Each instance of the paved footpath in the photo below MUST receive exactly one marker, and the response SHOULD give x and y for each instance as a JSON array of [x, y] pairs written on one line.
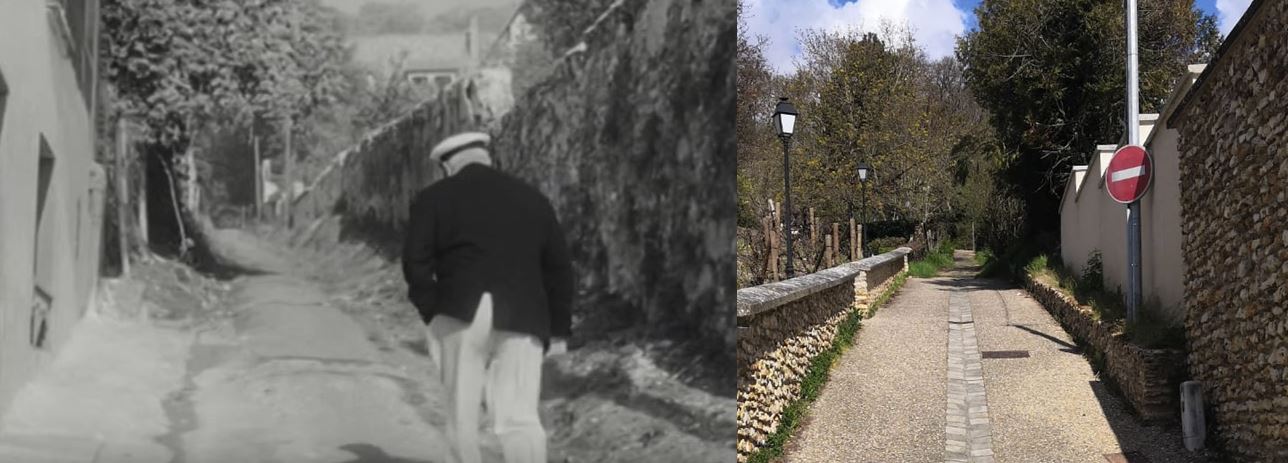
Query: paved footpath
[[921, 384]]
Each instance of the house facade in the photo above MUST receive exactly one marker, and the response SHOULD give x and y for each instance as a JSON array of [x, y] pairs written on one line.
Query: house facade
[[51, 189]]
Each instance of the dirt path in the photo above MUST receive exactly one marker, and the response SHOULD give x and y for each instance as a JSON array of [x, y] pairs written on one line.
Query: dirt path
[[316, 357], [917, 387], [605, 401]]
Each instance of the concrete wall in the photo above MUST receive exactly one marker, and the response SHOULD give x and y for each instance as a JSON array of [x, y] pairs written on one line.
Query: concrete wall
[[1091, 221], [1234, 211], [43, 103], [782, 326]]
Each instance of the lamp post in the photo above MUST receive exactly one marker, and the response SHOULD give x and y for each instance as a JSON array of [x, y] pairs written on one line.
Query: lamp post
[[784, 124], [864, 170]]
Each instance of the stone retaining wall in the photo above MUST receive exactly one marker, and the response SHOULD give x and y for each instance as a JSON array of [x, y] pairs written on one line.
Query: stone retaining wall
[[1234, 234], [1148, 378], [782, 326], [631, 137]]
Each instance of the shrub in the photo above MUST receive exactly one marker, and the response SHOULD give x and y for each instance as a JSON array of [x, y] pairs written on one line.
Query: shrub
[[887, 244]]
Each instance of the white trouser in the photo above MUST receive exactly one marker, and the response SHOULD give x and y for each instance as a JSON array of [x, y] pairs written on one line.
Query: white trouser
[[510, 362]]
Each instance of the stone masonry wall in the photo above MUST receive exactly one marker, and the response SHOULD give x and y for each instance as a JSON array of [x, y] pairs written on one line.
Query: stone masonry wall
[[1234, 214], [1148, 378], [781, 328], [632, 138], [371, 184]]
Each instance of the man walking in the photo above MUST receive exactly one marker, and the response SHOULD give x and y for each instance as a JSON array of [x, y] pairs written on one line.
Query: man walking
[[488, 269]]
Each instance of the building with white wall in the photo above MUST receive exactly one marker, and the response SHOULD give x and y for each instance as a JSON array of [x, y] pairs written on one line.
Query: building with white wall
[[51, 190], [1091, 221]]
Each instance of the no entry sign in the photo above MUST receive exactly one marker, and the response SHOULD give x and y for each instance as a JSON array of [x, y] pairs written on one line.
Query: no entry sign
[[1129, 173]]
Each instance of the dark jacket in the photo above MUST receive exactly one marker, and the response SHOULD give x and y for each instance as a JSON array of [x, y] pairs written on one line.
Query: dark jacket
[[482, 230]]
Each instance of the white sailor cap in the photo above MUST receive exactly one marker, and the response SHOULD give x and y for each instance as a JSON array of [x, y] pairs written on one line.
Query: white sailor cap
[[454, 144]]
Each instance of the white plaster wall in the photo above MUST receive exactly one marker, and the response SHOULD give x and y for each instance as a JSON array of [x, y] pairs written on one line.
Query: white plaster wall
[[43, 100], [1090, 220]]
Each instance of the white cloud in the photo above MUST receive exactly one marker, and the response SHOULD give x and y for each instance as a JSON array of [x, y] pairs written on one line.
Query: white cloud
[[935, 23], [1228, 13]]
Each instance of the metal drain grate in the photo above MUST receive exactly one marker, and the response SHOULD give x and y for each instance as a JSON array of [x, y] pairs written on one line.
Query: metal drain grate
[[1126, 457], [1004, 354]]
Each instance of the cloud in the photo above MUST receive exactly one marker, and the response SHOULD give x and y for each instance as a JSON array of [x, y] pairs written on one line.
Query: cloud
[[935, 23], [1228, 13]]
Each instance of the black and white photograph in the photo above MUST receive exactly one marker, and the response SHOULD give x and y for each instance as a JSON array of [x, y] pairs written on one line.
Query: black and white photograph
[[367, 231]]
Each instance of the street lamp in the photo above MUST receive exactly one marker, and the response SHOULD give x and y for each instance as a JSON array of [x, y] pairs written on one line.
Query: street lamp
[[864, 169], [785, 124]]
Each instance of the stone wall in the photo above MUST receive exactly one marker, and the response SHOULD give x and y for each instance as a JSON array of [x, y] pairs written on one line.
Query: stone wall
[[632, 137], [370, 185], [782, 326], [1149, 379], [1234, 155]]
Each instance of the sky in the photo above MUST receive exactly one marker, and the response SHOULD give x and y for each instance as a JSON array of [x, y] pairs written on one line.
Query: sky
[[935, 23]]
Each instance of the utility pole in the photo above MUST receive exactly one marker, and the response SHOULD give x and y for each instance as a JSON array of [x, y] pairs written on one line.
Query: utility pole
[[1133, 138]]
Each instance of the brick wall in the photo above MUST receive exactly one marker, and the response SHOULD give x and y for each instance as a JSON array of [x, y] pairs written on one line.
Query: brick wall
[[1234, 155]]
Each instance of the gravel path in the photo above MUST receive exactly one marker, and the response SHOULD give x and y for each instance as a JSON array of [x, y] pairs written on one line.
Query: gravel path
[[886, 397]]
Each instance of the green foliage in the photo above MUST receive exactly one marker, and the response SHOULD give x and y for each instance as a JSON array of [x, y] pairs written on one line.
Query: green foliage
[[816, 377], [1051, 73], [887, 244], [180, 64], [930, 265], [1107, 305], [983, 256], [561, 23]]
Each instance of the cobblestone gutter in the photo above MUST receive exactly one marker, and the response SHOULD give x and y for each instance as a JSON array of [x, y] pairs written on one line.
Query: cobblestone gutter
[[1148, 378], [783, 325]]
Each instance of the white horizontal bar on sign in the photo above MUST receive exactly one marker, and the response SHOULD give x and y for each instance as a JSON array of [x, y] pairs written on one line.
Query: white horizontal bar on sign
[[1127, 173]]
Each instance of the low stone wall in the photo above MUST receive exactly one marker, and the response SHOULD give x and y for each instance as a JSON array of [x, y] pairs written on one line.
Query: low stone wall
[[1149, 378], [782, 326]]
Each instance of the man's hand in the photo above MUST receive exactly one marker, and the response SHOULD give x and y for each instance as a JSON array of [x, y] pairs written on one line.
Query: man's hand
[[558, 346]]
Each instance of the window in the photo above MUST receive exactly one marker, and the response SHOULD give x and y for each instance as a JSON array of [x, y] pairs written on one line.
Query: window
[[4, 96], [42, 258], [419, 79]]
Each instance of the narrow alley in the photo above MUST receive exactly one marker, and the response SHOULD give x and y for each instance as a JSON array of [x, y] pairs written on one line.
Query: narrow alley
[[959, 368], [280, 368]]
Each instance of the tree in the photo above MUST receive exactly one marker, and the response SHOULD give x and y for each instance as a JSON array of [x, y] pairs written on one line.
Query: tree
[[1051, 74], [182, 67]]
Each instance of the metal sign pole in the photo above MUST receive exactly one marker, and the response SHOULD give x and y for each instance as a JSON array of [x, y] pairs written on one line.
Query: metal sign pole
[[1133, 138]]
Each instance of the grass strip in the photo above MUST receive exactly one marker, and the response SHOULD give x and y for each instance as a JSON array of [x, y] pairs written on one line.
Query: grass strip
[[820, 369], [931, 264]]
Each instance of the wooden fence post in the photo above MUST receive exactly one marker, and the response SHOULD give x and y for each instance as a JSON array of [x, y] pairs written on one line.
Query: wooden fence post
[[813, 227], [289, 173], [836, 241], [854, 256], [773, 251], [827, 251], [122, 195]]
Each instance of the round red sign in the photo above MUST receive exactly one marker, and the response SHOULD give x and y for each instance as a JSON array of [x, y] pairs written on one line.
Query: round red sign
[[1129, 173]]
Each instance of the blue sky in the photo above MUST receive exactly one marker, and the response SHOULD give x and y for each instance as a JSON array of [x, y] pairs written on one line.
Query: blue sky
[[935, 23]]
